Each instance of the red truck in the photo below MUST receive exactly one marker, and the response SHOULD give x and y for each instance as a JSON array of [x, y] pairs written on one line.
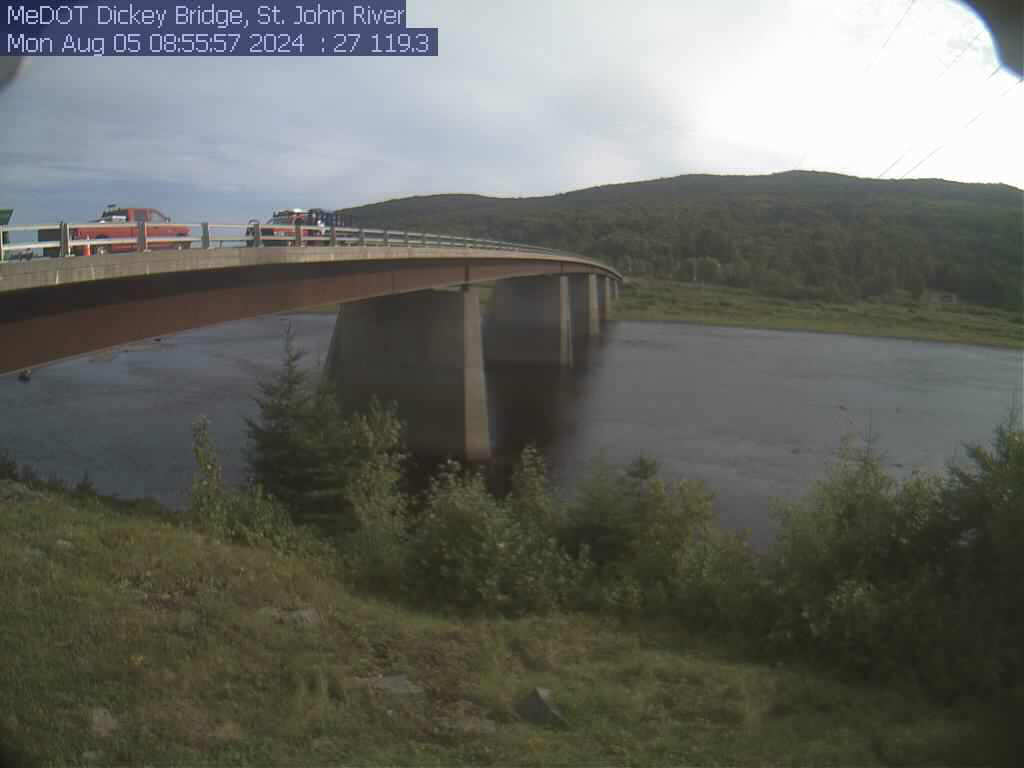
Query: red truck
[[158, 226]]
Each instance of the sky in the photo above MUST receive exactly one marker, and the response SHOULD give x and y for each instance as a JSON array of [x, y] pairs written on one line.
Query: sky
[[525, 98]]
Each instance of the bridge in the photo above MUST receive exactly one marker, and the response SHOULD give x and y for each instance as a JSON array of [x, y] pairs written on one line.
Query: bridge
[[409, 326]]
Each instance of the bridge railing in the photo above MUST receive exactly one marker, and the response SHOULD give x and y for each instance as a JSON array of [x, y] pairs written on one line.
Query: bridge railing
[[66, 239]]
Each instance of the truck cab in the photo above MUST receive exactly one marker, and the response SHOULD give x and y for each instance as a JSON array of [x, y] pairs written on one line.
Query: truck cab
[[158, 226], [279, 229]]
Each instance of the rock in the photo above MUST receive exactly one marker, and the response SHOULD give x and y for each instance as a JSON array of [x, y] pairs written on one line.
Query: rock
[[399, 685], [538, 708], [103, 723], [270, 613], [187, 620], [322, 744], [304, 617], [228, 731], [64, 544]]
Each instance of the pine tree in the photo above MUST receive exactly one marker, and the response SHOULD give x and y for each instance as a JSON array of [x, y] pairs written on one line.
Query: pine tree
[[277, 455]]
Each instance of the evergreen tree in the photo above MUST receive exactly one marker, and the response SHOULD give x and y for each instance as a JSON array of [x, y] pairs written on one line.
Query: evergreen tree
[[277, 455]]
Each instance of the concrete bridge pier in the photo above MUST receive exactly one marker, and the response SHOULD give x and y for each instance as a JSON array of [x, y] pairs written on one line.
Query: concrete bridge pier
[[604, 297], [424, 351], [583, 299], [530, 322]]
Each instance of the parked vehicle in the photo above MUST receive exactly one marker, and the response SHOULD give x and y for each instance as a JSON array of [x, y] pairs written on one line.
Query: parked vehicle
[[11, 253], [279, 229], [158, 225]]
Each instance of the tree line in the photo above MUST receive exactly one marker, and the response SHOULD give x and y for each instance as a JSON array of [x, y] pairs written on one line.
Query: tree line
[[798, 235]]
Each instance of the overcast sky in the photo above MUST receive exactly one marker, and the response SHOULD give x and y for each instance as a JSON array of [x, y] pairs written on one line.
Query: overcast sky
[[531, 97]]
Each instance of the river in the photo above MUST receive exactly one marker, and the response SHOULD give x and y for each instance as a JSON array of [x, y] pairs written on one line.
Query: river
[[758, 415]]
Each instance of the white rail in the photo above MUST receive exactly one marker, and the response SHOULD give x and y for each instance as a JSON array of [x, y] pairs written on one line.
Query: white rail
[[62, 240]]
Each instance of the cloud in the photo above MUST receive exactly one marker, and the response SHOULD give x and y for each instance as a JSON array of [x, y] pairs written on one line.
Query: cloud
[[526, 98]]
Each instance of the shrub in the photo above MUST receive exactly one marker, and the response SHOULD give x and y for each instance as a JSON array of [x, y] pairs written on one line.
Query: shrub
[[659, 550], [538, 574], [984, 503], [275, 454], [371, 499], [883, 578], [8, 467], [473, 553], [31, 478], [84, 488], [355, 465], [455, 549], [246, 516]]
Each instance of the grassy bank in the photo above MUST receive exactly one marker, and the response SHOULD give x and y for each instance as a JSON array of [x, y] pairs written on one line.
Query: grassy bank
[[131, 640], [667, 300], [652, 299]]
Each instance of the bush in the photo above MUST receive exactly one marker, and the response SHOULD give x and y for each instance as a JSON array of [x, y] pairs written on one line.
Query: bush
[[473, 553], [371, 500], [659, 551], [986, 525], [8, 467], [455, 550], [275, 454], [85, 488], [247, 516], [923, 577]]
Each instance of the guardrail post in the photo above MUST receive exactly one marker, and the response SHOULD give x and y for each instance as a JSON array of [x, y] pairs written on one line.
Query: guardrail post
[[387, 237], [206, 235], [362, 236], [65, 240], [406, 233], [298, 233], [334, 234], [3, 240], [257, 234], [141, 236]]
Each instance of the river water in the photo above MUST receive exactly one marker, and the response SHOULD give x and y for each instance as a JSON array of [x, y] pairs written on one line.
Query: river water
[[758, 415]]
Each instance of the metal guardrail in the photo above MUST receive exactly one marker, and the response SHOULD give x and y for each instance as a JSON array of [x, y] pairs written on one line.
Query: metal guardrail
[[62, 243]]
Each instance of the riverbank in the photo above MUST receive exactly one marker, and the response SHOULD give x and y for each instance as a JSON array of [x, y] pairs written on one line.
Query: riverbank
[[133, 639], [645, 299], [649, 299]]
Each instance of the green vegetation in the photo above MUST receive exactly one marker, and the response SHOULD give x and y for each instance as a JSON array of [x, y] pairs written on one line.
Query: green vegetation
[[648, 298], [130, 641], [796, 235], [882, 630]]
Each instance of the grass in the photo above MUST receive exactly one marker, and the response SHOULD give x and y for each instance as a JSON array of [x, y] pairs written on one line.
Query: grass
[[129, 640], [648, 299], [662, 300]]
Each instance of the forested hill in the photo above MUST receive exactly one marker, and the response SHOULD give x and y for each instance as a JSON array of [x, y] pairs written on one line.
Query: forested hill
[[798, 234]]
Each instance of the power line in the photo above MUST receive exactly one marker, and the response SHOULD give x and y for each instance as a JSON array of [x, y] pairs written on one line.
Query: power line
[[875, 59], [898, 23], [963, 128], [960, 55], [899, 159]]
